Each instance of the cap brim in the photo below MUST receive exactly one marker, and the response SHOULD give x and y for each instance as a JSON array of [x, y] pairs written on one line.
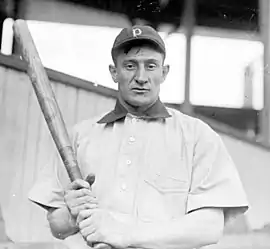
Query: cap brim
[[139, 41]]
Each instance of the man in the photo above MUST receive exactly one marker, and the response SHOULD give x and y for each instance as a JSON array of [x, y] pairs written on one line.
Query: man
[[162, 179]]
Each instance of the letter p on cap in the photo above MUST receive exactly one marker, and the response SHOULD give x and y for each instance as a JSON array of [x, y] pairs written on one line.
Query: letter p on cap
[[136, 32]]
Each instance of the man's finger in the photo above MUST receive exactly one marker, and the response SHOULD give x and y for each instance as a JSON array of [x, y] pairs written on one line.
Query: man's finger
[[93, 238], [81, 200], [74, 194], [76, 210], [78, 184], [87, 231], [101, 246], [89, 206], [83, 218]]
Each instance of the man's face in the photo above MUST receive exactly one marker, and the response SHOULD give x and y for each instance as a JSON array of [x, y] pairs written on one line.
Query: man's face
[[139, 73]]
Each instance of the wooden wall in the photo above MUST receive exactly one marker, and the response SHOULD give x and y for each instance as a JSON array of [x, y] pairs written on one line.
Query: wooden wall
[[25, 145]]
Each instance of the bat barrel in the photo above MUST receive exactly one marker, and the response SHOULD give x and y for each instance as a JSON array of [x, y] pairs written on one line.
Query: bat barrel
[[46, 98]]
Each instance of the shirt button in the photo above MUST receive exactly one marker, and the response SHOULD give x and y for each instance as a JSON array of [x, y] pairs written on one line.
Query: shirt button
[[132, 139], [133, 120], [128, 162], [124, 187]]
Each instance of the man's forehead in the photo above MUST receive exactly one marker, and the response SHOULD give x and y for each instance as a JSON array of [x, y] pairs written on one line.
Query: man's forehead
[[145, 51]]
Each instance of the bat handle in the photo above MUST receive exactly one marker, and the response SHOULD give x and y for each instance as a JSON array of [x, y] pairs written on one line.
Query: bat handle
[[69, 159]]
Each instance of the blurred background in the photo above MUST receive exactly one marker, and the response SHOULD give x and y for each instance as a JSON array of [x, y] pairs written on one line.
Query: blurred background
[[218, 51]]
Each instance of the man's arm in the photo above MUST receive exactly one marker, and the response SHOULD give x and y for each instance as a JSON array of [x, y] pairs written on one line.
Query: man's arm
[[61, 222], [198, 228], [77, 197]]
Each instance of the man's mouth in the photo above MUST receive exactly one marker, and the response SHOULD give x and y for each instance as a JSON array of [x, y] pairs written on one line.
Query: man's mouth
[[140, 90]]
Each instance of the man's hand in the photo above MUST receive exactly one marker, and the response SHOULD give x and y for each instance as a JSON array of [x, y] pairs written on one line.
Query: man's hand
[[78, 197], [98, 225]]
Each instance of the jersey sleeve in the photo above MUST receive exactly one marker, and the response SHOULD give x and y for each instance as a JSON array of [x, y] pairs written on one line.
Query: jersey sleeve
[[215, 181], [52, 178]]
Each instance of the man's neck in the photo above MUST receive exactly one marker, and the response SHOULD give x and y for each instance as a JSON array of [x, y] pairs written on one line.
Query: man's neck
[[135, 110], [154, 111]]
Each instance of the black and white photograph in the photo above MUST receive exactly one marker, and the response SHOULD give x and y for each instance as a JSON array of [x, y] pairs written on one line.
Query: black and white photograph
[[134, 124]]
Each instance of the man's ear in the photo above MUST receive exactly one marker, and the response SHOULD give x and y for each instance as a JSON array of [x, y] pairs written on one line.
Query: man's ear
[[113, 72], [165, 71]]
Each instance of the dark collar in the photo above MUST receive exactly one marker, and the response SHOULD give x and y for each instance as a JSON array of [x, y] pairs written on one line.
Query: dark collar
[[157, 110]]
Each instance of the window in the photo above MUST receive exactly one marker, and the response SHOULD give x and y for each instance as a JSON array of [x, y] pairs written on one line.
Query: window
[[226, 72], [7, 36]]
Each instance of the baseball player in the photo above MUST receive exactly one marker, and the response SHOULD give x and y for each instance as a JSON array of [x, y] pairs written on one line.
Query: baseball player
[[162, 179]]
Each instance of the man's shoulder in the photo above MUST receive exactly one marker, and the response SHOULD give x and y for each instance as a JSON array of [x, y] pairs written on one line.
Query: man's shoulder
[[190, 124], [183, 119], [176, 114], [88, 124]]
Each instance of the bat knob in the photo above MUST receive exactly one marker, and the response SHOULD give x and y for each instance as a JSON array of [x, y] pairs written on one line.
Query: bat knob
[[90, 179]]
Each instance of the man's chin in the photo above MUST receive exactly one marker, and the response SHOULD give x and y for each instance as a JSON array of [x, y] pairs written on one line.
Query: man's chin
[[139, 104]]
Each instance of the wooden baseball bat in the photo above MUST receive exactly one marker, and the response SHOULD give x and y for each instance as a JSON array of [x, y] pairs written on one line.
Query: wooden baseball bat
[[47, 101], [46, 98], [48, 104]]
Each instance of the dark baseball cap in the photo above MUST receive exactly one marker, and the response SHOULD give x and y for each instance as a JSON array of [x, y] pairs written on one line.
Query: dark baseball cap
[[138, 33]]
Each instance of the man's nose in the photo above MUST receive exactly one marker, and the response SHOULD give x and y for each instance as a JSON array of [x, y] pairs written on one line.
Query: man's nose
[[141, 76]]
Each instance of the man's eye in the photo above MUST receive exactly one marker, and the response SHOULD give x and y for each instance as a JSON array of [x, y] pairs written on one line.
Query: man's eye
[[152, 66], [129, 66]]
